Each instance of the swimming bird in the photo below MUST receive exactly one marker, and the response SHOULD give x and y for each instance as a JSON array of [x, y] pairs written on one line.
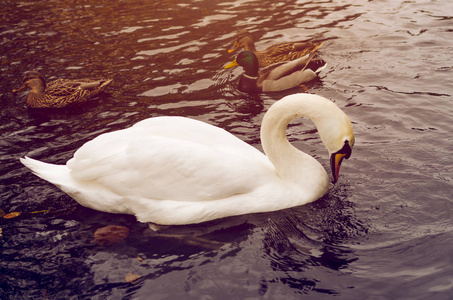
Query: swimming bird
[[176, 170], [285, 51], [61, 92], [277, 77]]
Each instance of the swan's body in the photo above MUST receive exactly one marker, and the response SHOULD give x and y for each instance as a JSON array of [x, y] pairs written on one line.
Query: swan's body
[[175, 170]]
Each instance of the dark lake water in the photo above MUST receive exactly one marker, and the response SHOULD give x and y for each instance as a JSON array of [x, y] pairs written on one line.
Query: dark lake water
[[384, 231]]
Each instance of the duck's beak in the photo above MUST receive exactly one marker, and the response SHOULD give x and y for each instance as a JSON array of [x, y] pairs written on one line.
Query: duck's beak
[[19, 89], [231, 64], [235, 46], [335, 163]]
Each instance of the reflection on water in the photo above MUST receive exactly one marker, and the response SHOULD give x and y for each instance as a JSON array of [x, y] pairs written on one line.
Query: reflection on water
[[383, 231]]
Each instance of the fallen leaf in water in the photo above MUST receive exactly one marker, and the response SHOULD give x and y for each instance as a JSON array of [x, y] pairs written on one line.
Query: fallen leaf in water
[[40, 211], [2, 213], [110, 235], [1, 232], [131, 277], [12, 215]]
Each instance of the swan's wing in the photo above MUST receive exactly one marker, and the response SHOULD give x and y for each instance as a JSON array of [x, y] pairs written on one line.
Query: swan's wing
[[194, 131], [193, 163]]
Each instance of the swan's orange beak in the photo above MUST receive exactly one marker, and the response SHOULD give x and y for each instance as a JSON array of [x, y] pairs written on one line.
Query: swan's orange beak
[[337, 157], [335, 163], [235, 46]]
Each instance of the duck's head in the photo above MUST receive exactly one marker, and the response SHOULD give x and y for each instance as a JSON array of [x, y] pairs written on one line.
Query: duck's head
[[33, 80], [248, 61], [243, 40]]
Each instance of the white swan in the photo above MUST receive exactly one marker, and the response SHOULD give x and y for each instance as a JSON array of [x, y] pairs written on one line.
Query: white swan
[[175, 170]]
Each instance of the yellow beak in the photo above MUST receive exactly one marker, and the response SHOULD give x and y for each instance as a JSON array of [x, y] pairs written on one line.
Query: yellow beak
[[231, 65]]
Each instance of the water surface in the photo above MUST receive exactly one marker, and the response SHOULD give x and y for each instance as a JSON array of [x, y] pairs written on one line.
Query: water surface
[[384, 231]]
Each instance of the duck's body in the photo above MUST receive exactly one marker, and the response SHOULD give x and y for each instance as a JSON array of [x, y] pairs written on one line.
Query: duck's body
[[278, 77], [61, 92], [174, 170], [285, 51]]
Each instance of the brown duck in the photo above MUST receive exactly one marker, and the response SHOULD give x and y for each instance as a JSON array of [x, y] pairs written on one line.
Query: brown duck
[[286, 51], [61, 92]]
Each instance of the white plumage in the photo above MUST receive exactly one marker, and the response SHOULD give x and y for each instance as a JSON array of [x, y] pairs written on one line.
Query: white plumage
[[175, 170]]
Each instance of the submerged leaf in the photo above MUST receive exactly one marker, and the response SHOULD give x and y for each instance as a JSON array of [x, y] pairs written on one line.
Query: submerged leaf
[[12, 215], [131, 277], [110, 235], [2, 213]]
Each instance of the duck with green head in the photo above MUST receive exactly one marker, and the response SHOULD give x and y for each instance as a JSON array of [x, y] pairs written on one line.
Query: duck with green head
[[276, 77]]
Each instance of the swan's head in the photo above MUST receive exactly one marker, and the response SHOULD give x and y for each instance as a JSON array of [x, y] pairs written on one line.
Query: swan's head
[[338, 136]]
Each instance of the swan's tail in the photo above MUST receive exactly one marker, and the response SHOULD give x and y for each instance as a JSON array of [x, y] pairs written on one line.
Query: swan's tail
[[85, 193], [55, 174]]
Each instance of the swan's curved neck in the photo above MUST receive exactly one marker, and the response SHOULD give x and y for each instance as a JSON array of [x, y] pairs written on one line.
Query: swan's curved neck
[[289, 162]]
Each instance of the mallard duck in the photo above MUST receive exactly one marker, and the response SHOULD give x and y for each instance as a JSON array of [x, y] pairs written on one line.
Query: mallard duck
[[61, 92], [277, 77], [286, 51], [176, 170]]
